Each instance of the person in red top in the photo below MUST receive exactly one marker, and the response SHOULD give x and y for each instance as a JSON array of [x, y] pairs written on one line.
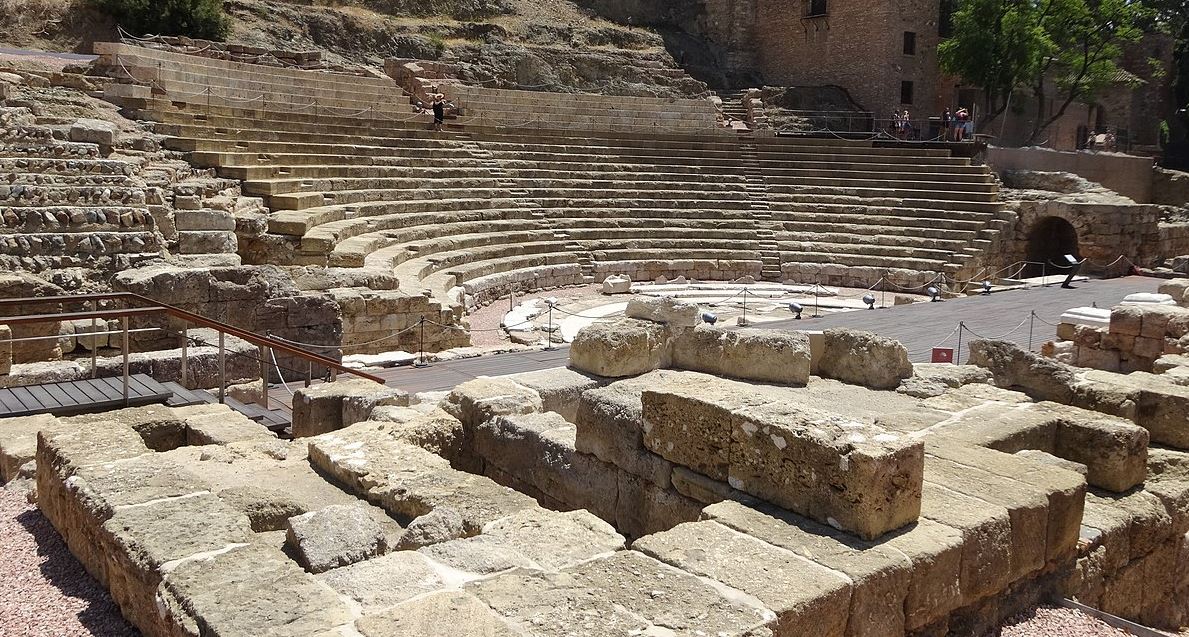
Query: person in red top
[[963, 128]]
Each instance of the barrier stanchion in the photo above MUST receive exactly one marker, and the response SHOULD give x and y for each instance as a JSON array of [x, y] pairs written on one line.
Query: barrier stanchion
[[421, 347], [958, 352]]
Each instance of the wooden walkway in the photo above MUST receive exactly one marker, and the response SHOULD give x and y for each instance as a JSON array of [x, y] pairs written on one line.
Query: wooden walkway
[[80, 396]]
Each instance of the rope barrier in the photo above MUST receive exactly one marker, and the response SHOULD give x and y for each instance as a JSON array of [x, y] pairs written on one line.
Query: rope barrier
[[995, 338], [273, 353]]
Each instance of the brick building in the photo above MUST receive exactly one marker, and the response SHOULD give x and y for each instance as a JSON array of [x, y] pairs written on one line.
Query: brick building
[[883, 53]]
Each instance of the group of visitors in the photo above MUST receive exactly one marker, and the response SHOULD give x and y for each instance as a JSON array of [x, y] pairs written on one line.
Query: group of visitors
[[902, 126], [957, 126]]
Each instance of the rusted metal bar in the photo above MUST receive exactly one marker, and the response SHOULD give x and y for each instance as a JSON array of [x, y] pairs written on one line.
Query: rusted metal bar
[[124, 349], [222, 369]]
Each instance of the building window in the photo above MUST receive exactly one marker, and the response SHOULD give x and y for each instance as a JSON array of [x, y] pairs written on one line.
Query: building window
[[906, 92], [817, 7], [945, 19], [910, 43]]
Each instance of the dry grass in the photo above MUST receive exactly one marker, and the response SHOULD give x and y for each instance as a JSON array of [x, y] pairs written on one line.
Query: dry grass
[[24, 21]]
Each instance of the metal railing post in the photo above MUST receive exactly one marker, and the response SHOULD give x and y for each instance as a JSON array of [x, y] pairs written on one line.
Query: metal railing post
[[124, 349], [222, 370], [264, 351], [310, 374], [185, 355], [94, 363]]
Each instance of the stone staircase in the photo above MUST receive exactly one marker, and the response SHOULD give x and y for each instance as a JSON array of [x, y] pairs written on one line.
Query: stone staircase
[[488, 209]]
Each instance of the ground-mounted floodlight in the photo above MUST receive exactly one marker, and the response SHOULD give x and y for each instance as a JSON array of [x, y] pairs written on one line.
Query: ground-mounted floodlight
[[869, 299], [933, 293], [796, 309], [986, 287], [709, 318]]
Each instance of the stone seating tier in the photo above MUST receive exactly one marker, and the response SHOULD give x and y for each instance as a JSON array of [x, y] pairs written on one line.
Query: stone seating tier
[[455, 212]]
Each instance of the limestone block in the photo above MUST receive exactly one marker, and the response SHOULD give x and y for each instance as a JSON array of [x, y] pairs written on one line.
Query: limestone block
[[139, 541], [533, 538], [808, 599], [664, 309], [439, 614], [338, 535], [439, 525], [769, 356], [207, 242], [1114, 451], [224, 428], [90, 337], [211, 220], [1014, 368], [621, 594], [408, 481], [1027, 508], [627, 347], [692, 484], [268, 509], [1126, 320], [848, 474], [863, 358], [609, 426], [880, 576], [272, 595], [1065, 490], [18, 441], [477, 401], [560, 389], [935, 551], [1164, 364], [538, 449], [95, 131], [986, 538], [641, 507], [376, 584], [929, 380], [330, 406], [5, 347], [1149, 400], [617, 284]]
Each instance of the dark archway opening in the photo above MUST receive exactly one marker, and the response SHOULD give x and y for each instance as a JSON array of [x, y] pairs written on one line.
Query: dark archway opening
[[1049, 241]]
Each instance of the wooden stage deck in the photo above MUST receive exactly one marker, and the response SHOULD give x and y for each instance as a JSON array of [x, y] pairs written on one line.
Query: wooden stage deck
[[920, 327], [80, 396]]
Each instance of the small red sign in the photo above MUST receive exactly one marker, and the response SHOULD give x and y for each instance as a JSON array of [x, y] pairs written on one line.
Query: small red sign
[[943, 354]]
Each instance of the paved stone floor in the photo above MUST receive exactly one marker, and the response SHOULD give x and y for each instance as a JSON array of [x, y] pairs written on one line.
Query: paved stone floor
[[920, 327]]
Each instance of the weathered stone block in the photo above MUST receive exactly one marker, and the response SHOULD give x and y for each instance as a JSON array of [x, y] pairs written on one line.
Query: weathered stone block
[[768, 356], [338, 535], [382, 582], [560, 389], [272, 595], [627, 347], [538, 449], [1014, 368], [5, 347], [663, 309], [641, 507], [986, 538], [440, 614], [863, 358], [610, 426], [477, 401], [848, 474], [880, 576], [624, 593], [808, 599], [95, 131], [332, 406]]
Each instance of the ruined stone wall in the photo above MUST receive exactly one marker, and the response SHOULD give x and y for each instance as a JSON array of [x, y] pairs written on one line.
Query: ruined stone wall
[[1136, 337], [1104, 232], [1127, 175], [375, 321]]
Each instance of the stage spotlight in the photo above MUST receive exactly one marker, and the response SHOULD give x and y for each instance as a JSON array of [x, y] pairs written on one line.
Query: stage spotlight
[[796, 309], [933, 293], [986, 287], [551, 301], [869, 299], [710, 318]]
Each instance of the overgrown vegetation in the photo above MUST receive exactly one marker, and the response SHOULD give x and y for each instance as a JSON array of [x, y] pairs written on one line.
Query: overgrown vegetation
[[194, 18]]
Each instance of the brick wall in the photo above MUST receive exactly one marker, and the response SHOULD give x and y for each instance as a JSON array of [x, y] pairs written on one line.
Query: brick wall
[[858, 45]]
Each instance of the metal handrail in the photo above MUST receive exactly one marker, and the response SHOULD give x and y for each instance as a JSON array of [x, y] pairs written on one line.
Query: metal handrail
[[155, 307]]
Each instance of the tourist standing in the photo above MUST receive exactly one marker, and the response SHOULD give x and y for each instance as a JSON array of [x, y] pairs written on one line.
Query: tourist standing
[[963, 118], [439, 111], [946, 120], [907, 119]]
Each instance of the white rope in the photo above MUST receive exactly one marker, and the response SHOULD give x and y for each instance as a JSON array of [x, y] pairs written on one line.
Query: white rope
[[273, 353]]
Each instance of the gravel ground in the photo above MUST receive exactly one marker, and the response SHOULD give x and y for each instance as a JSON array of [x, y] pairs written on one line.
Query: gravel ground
[[1048, 621], [488, 317], [44, 591]]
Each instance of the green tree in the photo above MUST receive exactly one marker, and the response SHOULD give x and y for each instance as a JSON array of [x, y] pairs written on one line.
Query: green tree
[[194, 18], [1172, 17], [1068, 46], [995, 45]]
